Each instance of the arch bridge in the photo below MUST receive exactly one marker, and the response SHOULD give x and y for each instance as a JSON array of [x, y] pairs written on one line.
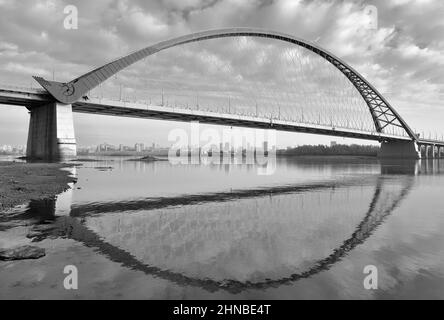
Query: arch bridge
[[51, 129]]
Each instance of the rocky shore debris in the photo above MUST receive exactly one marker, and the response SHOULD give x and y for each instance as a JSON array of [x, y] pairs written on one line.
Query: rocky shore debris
[[21, 253], [40, 231]]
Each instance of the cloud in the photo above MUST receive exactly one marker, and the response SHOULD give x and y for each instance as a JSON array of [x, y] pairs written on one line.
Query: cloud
[[24, 69], [402, 57]]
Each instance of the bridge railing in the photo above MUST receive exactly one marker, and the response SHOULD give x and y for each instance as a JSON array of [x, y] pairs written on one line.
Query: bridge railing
[[130, 103], [22, 88]]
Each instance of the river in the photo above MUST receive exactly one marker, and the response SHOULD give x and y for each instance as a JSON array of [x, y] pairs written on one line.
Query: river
[[154, 230]]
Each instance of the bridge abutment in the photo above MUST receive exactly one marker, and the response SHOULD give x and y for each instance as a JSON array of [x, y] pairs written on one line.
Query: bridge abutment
[[51, 132], [399, 149]]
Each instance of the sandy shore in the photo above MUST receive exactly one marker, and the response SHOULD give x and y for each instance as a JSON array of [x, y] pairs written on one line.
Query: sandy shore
[[21, 182]]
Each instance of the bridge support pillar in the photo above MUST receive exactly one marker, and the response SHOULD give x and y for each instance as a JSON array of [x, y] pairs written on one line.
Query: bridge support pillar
[[435, 152], [51, 133], [429, 152], [399, 149], [424, 150]]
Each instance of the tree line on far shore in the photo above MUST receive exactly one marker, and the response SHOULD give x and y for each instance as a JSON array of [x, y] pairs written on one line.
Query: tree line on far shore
[[337, 150]]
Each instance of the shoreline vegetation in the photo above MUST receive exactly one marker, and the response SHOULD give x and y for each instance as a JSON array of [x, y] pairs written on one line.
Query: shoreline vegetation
[[341, 150], [22, 182]]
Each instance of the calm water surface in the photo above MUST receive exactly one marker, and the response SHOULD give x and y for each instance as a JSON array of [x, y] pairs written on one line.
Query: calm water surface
[[162, 231]]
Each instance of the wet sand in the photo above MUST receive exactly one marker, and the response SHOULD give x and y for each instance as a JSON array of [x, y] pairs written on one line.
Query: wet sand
[[22, 182]]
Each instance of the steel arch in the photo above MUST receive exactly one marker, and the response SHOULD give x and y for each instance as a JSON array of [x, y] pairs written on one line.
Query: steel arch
[[383, 114]]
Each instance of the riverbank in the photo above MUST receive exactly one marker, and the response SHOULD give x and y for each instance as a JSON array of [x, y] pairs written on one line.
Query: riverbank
[[22, 182], [333, 150], [327, 156]]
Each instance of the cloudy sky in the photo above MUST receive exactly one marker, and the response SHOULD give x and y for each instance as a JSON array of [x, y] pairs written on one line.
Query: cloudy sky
[[401, 53]]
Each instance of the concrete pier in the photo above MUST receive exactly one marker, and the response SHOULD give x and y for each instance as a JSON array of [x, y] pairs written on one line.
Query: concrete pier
[[431, 151], [399, 149], [51, 132]]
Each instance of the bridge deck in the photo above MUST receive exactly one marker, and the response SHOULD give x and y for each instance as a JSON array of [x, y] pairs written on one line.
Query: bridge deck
[[139, 110], [33, 97]]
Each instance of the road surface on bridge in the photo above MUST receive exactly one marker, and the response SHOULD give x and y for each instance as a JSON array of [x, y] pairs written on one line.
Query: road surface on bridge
[[34, 97]]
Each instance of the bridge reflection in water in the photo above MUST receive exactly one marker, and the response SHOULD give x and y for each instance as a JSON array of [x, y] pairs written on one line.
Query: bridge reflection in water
[[239, 240]]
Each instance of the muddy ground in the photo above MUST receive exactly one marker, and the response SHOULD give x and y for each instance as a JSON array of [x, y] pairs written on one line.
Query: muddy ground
[[22, 182]]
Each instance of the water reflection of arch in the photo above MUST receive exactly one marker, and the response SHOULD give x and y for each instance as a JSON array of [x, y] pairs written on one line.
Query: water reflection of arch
[[379, 208]]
